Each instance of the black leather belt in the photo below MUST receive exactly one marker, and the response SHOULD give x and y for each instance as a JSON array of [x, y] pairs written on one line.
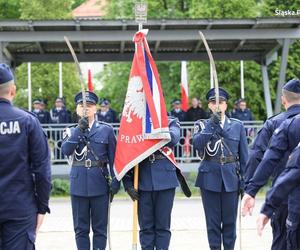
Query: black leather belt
[[221, 159], [156, 156], [89, 164]]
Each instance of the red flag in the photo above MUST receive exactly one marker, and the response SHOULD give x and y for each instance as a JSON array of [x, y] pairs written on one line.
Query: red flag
[[90, 83], [184, 87], [144, 123]]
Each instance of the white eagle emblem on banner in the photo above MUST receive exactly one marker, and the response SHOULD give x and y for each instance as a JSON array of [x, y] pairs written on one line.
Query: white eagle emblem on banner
[[135, 100]]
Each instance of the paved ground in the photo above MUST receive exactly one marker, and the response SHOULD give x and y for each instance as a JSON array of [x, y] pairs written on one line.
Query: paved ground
[[188, 227]]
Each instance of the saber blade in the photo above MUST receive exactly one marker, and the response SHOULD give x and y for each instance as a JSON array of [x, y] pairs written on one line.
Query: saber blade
[[79, 73], [212, 63]]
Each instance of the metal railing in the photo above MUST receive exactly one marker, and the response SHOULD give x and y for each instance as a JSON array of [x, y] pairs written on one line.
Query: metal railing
[[184, 151]]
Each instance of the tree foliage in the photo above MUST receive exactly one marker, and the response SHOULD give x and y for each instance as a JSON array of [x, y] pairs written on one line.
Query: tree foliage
[[45, 9], [9, 9]]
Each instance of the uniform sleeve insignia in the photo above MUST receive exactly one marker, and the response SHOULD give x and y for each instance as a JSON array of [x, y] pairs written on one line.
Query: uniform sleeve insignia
[[199, 125], [67, 133]]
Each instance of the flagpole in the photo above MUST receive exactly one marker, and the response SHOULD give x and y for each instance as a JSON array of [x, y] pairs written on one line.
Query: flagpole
[[135, 210], [140, 18]]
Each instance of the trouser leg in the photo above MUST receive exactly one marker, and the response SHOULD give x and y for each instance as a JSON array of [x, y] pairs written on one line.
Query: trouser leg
[[81, 221]]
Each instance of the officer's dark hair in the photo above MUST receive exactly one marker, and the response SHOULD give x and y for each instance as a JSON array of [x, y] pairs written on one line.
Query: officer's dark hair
[[291, 96], [5, 88]]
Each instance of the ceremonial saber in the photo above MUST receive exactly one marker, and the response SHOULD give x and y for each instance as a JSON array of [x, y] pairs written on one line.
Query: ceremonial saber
[[79, 73], [216, 84], [212, 63]]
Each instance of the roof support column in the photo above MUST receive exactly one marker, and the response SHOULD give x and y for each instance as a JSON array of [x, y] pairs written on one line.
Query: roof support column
[[266, 84], [282, 73], [2, 56]]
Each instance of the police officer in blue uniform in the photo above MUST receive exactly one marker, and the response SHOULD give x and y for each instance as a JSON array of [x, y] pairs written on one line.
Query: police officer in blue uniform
[[59, 114], [104, 114], [156, 191], [177, 111], [222, 146], [286, 185], [258, 149], [242, 113], [90, 146], [284, 140], [114, 114], [25, 176], [42, 115]]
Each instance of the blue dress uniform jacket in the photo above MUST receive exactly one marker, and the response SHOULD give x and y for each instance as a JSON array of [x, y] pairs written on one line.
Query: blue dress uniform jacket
[[25, 176], [211, 175], [245, 115], [260, 145], [287, 185], [107, 117], [283, 141], [219, 182], [92, 181], [263, 137], [43, 116], [24, 153], [62, 116], [181, 115]]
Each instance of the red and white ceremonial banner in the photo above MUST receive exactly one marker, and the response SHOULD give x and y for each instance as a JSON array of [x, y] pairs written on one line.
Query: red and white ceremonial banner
[[144, 123], [184, 87]]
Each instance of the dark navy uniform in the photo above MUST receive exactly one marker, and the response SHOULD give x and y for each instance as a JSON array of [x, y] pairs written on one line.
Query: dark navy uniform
[[177, 111], [257, 151], [60, 116], [179, 114], [157, 183], [109, 115], [90, 152], [42, 115], [25, 175], [287, 185], [242, 115], [283, 141], [223, 153], [105, 117]]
